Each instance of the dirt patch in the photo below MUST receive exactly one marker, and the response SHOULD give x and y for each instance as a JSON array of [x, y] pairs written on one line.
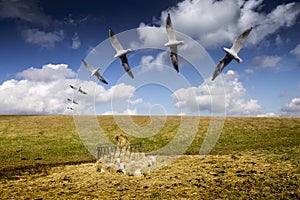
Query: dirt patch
[[190, 177]]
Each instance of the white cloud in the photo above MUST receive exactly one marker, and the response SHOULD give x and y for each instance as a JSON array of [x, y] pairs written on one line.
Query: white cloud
[[216, 23], [45, 91], [76, 41], [292, 108], [49, 72], [126, 112], [134, 102], [268, 114], [44, 39], [149, 63], [265, 61], [296, 52], [234, 101], [249, 71]]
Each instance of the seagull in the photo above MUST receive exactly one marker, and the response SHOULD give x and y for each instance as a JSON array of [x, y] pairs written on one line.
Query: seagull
[[232, 53], [121, 53], [94, 71], [70, 108], [172, 43], [78, 89], [73, 101]]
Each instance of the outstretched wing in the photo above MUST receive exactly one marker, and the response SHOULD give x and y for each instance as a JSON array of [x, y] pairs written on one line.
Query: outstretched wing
[[74, 88], [114, 41], [238, 43], [173, 57], [90, 68], [100, 78], [169, 29], [126, 66], [221, 65]]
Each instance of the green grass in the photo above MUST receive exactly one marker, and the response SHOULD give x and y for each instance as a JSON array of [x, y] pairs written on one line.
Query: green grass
[[31, 140], [254, 158]]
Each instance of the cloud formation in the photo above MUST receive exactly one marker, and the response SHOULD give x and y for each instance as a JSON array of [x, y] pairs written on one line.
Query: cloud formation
[[44, 39], [296, 52], [234, 98], [292, 108], [266, 61], [76, 41], [28, 11], [214, 23], [45, 91]]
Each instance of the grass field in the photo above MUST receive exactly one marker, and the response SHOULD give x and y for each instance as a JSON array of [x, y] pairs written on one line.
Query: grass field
[[254, 158]]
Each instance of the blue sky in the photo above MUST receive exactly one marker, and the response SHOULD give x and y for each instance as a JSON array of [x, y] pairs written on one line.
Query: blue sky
[[43, 42]]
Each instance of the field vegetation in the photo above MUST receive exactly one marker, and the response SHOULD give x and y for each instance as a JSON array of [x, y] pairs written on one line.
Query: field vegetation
[[42, 157]]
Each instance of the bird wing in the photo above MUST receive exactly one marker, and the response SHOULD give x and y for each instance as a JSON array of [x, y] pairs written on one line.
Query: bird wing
[[238, 43], [74, 88], [90, 68], [169, 29], [81, 91], [100, 78], [114, 41], [126, 66], [221, 65]]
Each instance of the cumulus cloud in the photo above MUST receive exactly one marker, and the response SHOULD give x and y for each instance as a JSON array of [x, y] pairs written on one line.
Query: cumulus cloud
[[296, 52], [292, 108], [149, 63], [212, 25], [266, 61], [234, 101], [45, 91], [125, 112], [268, 114], [44, 39], [76, 41], [24, 10], [49, 72]]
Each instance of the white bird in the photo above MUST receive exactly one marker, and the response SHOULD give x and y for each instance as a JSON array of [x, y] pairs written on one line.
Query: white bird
[[121, 53], [95, 72], [78, 89], [232, 53], [172, 43], [73, 101]]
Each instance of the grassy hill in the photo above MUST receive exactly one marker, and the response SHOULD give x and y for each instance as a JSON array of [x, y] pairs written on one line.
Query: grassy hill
[[254, 158]]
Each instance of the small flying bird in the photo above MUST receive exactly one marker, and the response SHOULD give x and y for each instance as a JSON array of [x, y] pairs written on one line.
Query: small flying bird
[[78, 89], [73, 101], [70, 108], [232, 53], [172, 43], [121, 53], [95, 72]]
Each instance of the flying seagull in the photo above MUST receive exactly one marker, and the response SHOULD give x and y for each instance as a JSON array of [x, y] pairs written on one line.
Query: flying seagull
[[172, 43], [121, 53], [232, 53], [78, 89], [70, 108], [95, 72], [73, 101]]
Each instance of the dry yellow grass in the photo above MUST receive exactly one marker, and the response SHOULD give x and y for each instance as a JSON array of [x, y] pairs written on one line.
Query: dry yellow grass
[[236, 176]]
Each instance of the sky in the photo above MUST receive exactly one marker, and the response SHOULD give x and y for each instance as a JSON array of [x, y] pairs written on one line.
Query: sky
[[43, 43]]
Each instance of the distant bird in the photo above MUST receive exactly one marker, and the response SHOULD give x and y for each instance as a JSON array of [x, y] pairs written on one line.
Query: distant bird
[[172, 43], [232, 53], [121, 53], [78, 89], [70, 108], [73, 101], [95, 72]]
